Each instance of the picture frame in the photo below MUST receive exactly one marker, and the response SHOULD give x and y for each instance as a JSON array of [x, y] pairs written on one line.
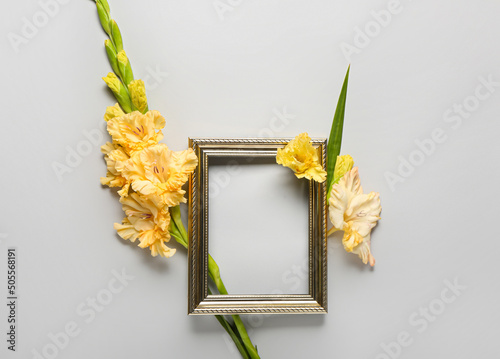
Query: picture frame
[[200, 302]]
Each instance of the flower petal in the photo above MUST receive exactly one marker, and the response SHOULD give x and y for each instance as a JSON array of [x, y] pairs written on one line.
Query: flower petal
[[339, 201], [126, 230], [136, 131], [342, 166], [161, 172], [364, 211], [364, 252], [146, 222], [301, 156], [355, 213]]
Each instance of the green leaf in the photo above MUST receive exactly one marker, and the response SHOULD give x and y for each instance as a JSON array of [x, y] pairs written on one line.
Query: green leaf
[[116, 36], [234, 337], [233, 333], [335, 140], [103, 18], [120, 92], [252, 351], [111, 52], [105, 4], [129, 75]]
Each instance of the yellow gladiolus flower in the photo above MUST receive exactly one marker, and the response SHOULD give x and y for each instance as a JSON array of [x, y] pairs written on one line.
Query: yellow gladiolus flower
[[115, 158], [355, 213], [300, 155], [157, 171], [138, 94], [146, 222], [113, 111], [136, 131]]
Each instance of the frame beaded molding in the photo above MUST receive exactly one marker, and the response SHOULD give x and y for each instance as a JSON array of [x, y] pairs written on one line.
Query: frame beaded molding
[[199, 302]]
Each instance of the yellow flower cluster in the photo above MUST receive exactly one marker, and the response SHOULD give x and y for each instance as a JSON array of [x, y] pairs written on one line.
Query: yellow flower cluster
[[350, 210], [150, 175], [301, 156]]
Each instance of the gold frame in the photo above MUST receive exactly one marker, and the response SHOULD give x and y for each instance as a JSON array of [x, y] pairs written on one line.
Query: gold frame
[[199, 302]]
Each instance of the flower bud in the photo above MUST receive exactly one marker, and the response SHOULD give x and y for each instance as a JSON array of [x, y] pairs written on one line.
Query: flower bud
[[103, 16], [119, 91], [111, 52], [342, 166], [138, 95], [116, 35], [125, 68], [113, 111]]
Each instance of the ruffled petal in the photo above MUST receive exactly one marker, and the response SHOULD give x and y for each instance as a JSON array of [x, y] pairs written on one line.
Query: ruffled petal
[[301, 156], [136, 131], [339, 201], [158, 171], [115, 158], [355, 213], [113, 111], [162, 250], [364, 211], [364, 252], [126, 230], [351, 182], [351, 238], [147, 222]]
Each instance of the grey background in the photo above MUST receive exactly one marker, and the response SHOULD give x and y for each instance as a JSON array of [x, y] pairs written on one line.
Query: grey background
[[259, 226], [230, 75]]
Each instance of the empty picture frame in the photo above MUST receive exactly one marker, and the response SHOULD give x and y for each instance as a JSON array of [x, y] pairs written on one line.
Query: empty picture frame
[[199, 299]]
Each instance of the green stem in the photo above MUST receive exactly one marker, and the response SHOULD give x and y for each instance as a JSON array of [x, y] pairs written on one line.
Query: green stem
[[174, 227], [111, 28], [244, 336], [213, 271], [331, 231], [234, 335], [179, 233], [124, 72]]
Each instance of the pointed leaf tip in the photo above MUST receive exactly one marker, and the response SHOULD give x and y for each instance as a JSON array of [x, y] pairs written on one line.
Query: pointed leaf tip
[[335, 140]]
